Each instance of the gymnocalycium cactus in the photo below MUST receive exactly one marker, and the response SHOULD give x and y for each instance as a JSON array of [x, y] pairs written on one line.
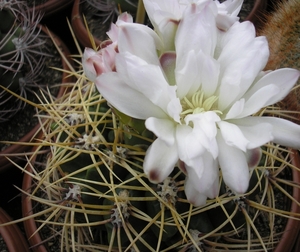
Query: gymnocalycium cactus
[[91, 182], [119, 118], [22, 54]]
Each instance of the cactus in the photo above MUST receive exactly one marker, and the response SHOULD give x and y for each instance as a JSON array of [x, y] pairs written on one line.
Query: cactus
[[282, 31], [22, 54], [96, 197], [110, 9], [105, 12], [90, 192]]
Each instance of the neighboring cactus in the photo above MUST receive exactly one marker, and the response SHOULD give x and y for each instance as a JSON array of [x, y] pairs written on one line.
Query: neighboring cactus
[[105, 12], [110, 9], [92, 180], [22, 53], [282, 29]]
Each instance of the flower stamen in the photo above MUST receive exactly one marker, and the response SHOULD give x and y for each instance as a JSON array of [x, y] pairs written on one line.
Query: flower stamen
[[197, 104]]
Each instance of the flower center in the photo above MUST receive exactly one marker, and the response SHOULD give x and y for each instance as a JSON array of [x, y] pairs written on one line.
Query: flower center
[[197, 104]]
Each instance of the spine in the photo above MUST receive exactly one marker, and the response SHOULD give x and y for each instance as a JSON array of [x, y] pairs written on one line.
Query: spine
[[282, 29]]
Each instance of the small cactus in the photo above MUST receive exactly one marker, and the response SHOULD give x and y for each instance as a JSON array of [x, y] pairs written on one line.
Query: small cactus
[[282, 29], [105, 12], [22, 54], [110, 9]]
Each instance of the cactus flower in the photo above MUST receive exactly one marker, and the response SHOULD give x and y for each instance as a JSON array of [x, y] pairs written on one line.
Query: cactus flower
[[200, 99]]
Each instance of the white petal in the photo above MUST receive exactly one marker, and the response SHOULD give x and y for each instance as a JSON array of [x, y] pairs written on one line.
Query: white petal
[[261, 98], [233, 136], [201, 69], [209, 75], [233, 7], [126, 99], [113, 33], [189, 146], [236, 109], [158, 10], [165, 16], [224, 21], [257, 134], [193, 196], [200, 20], [162, 128], [160, 160], [235, 41], [239, 74], [205, 130], [284, 132], [144, 47], [204, 175], [227, 13], [284, 79], [190, 65], [174, 109], [234, 166], [147, 79]]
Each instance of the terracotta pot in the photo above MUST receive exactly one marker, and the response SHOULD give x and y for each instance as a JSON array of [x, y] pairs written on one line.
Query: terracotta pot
[[291, 232], [51, 6], [30, 225], [79, 27], [15, 149], [287, 241], [255, 16], [12, 235]]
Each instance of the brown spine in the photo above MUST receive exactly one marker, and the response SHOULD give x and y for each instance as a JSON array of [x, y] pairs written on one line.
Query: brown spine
[[282, 29]]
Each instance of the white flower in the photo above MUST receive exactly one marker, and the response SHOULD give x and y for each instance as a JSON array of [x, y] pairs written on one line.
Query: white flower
[[166, 15], [97, 62], [199, 98]]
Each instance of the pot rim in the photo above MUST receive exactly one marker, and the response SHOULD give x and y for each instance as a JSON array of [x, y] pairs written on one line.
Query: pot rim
[[79, 27], [51, 6], [11, 234]]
